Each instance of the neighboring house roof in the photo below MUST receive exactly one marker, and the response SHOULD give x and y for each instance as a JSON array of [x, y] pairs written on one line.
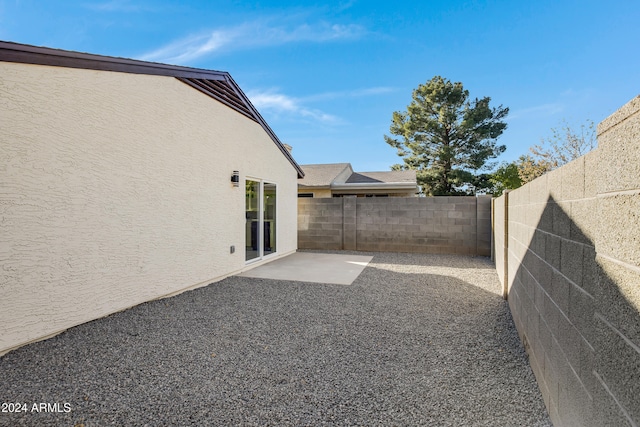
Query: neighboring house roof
[[405, 176], [216, 84], [341, 177], [322, 175]]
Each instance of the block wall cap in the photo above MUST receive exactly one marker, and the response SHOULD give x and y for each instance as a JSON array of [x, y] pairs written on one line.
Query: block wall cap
[[629, 109]]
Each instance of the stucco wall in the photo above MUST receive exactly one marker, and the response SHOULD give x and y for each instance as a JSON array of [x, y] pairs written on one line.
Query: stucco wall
[[573, 274], [116, 190], [452, 225]]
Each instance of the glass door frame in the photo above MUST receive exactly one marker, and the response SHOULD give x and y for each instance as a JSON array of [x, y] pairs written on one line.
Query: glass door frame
[[260, 226]]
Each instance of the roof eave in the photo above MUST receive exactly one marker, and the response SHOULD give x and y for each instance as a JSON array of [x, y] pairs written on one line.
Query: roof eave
[[404, 186], [314, 187]]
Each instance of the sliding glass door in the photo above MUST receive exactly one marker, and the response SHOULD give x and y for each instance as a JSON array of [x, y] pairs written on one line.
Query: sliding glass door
[[269, 203], [252, 213], [260, 214]]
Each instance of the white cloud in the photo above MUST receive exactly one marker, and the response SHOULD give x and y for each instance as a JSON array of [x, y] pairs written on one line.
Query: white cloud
[[278, 103], [116, 6], [253, 34], [371, 91], [543, 110], [282, 104], [188, 49], [346, 5], [357, 93], [273, 101]]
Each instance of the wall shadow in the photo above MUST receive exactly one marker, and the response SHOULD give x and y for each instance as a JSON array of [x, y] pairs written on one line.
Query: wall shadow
[[580, 330]]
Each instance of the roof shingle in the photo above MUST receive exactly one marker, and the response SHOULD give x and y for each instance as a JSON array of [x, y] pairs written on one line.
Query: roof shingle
[[408, 176], [321, 175]]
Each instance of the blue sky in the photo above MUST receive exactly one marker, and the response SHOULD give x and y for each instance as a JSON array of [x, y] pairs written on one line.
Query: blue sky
[[327, 76]]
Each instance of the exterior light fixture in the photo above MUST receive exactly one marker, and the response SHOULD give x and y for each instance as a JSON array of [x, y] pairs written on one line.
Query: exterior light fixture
[[235, 178]]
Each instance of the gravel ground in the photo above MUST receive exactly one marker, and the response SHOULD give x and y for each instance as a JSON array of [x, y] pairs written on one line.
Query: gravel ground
[[415, 340]]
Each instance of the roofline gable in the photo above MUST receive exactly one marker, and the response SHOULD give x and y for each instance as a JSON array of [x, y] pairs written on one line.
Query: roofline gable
[[200, 79], [343, 175]]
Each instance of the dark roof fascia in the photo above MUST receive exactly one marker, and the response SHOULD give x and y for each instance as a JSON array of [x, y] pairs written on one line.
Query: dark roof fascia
[[27, 54]]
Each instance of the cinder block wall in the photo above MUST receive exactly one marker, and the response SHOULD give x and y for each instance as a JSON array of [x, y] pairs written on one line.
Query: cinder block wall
[[483, 225], [320, 223], [572, 272], [499, 254], [452, 225]]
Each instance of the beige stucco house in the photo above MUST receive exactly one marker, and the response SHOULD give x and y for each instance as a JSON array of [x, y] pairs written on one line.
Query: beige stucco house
[[124, 181], [339, 179]]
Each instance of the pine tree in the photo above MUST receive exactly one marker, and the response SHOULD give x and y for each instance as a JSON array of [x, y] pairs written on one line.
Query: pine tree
[[446, 137]]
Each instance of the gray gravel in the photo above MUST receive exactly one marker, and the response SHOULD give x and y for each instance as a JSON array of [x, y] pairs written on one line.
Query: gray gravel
[[415, 340]]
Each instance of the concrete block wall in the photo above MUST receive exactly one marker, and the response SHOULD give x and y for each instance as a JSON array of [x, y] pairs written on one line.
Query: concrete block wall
[[499, 221], [451, 225], [567, 248], [320, 223], [483, 226]]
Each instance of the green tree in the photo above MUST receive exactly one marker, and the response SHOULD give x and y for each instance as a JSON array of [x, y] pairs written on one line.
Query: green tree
[[530, 168], [563, 146], [506, 177], [446, 137]]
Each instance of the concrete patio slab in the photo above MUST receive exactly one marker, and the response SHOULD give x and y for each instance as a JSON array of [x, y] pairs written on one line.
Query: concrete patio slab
[[335, 269]]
